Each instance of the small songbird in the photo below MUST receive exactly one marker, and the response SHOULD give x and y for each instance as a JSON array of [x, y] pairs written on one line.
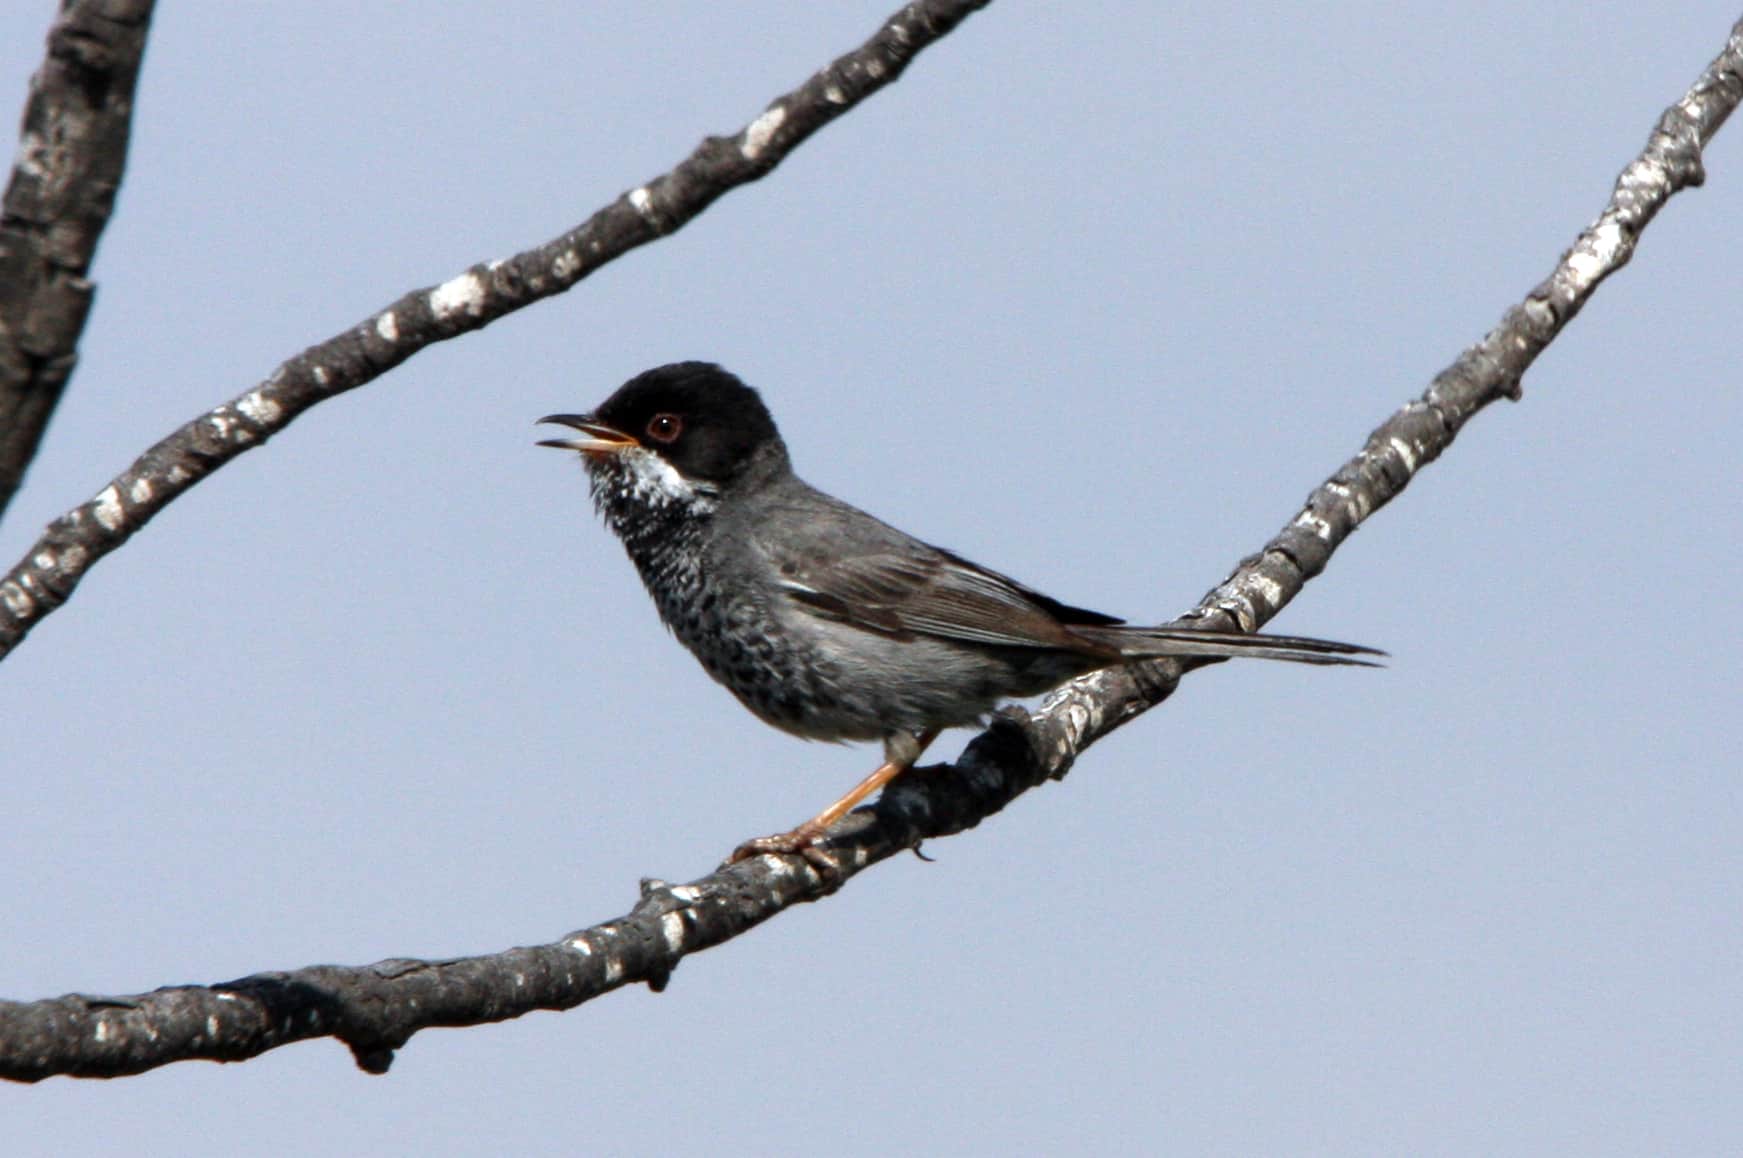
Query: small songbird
[[824, 621]]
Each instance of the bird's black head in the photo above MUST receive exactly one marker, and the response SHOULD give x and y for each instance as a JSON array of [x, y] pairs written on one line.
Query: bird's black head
[[670, 446], [696, 416], [699, 418]]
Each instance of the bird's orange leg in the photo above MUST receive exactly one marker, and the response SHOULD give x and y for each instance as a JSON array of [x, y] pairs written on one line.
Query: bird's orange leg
[[898, 758]]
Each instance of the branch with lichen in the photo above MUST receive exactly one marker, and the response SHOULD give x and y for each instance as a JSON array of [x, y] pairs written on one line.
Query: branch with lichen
[[375, 1009], [71, 154], [72, 544]]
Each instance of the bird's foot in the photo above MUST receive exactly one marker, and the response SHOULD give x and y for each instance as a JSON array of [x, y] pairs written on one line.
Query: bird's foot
[[801, 841]]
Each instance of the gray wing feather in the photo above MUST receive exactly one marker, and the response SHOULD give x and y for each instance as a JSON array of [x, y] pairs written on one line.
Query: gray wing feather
[[848, 567]]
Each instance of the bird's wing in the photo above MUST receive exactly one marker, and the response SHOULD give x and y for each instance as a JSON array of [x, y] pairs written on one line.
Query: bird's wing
[[845, 566]]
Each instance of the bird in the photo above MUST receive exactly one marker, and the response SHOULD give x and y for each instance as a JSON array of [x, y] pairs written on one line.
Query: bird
[[823, 620]]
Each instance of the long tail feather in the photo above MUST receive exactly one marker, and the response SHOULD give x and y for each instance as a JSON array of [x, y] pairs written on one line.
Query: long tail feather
[[1187, 643]]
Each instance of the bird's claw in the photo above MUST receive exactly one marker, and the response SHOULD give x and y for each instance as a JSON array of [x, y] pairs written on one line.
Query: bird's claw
[[802, 841]]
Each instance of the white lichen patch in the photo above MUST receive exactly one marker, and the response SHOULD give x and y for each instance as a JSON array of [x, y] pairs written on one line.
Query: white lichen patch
[[672, 929], [1315, 523], [1353, 502], [140, 491], [1270, 592], [1239, 611], [1405, 452], [108, 512], [566, 264], [613, 971], [388, 327], [259, 408], [1598, 252], [31, 151], [18, 601], [689, 894], [1077, 721], [642, 202], [580, 945], [225, 426], [761, 132], [833, 94], [320, 375], [456, 295], [1584, 265]]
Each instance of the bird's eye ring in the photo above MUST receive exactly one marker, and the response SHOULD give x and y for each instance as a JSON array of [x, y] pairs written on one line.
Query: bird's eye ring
[[665, 427]]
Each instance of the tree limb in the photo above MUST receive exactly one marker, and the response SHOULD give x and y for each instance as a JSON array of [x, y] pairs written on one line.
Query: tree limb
[[376, 1008], [73, 543], [62, 191]]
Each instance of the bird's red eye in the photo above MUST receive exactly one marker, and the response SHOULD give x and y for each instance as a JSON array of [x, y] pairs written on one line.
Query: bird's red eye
[[665, 427]]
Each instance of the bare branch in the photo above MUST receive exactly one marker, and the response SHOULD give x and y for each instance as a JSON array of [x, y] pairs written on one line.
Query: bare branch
[[68, 548], [376, 1008], [70, 159]]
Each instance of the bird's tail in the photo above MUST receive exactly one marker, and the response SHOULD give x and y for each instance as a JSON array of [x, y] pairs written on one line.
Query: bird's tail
[[1191, 643]]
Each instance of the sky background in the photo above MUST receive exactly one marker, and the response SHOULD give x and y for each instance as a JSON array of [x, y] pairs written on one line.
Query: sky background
[[1095, 295]]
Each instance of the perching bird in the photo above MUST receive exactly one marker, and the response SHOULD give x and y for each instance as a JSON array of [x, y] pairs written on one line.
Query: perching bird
[[821, 619]]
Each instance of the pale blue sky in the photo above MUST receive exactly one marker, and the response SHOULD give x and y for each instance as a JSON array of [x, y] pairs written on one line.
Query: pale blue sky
[[1094, 295]]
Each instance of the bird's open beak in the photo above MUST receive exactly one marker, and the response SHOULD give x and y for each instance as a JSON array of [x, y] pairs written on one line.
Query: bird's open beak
[[599, 440]]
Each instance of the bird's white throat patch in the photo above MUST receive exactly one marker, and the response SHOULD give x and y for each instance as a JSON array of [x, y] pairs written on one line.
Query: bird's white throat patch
[[638, 477]]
